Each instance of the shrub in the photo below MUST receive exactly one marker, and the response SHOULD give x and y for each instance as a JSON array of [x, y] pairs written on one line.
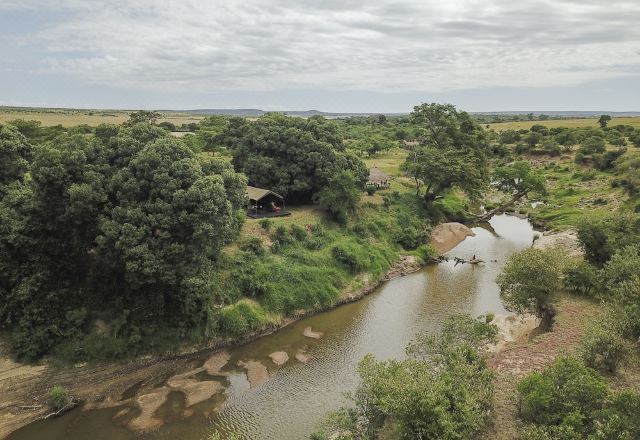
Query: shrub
[[371, 189], [603, 347], [266, 224], [58, 397], [253, 245], [298, 232], [239, 319], [349, 256], [566, 393], [426, 253], [581, 278]]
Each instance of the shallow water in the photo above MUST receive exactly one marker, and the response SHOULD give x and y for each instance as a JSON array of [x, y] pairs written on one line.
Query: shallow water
[[296, 397]]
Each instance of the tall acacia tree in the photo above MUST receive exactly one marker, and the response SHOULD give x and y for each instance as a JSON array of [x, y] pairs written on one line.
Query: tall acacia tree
[[517, 179], [451, 154]]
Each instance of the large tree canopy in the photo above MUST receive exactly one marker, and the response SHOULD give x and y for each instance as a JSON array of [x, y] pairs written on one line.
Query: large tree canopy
[[451, 153], [293, 156], [128, 221]]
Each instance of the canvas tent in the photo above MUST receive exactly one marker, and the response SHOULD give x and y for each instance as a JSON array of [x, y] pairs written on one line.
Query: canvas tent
[[265, 203]]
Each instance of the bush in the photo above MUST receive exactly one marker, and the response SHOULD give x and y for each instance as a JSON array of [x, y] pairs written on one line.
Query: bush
[[253, 245], [349, 256], [266, 224], [239, 319], [371, 189], [603, 347], [58, 397], [426, 253], [298, 232], [566, 393], [581, 278]]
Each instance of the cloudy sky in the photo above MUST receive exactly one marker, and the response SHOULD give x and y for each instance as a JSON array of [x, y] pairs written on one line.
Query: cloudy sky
[[331, 55]]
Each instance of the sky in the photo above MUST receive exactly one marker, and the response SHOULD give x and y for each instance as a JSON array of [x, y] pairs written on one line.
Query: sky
[[329, 55]]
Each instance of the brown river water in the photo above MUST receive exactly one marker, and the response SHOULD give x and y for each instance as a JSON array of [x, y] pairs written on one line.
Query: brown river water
[[289, 405]]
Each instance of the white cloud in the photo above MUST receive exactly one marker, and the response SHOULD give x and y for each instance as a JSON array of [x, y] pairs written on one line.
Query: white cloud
[[213, 46]]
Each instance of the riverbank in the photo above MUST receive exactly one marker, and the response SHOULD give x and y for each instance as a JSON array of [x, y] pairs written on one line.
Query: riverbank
[[25, 387]]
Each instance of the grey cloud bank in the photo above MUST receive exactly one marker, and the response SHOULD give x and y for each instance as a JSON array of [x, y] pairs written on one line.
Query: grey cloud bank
[[335, 56]]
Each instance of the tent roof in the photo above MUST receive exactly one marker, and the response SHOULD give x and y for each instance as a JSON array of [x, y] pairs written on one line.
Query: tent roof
[[256, 194], [377, 175]]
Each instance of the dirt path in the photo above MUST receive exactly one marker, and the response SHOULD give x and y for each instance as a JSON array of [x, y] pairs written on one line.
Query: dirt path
[[517, 359]]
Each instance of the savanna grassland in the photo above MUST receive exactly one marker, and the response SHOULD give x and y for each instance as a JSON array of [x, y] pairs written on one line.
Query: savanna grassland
[[91, 117]]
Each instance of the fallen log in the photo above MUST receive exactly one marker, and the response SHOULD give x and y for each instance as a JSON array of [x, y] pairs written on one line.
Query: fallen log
[[68, 407]]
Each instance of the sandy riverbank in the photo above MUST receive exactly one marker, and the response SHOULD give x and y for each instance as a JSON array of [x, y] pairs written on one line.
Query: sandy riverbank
[[446, 236]]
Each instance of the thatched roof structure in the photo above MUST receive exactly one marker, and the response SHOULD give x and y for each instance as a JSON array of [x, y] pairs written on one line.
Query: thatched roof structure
[[378, 177]]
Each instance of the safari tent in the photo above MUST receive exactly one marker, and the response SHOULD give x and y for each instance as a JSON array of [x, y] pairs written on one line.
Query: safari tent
[[265, 203], [378, 178]]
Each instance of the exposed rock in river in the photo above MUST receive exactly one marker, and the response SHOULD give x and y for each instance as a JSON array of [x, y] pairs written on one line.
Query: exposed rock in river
[[513, 328], [257, 373], [149, 404], [302, 357], [309, 333], [279, 357], [446, 236], [214, 364]]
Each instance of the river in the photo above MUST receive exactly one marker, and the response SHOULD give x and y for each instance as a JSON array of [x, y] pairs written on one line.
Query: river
[[295, 398]]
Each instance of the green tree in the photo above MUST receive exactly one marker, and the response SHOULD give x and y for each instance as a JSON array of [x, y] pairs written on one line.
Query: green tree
[[15, 153], [519, 180], [293, 156], [603, 120], [143, 116], [530, 280], [341, 195]]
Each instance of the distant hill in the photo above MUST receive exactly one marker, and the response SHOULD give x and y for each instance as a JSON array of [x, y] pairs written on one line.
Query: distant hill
[[253, 112], [569, 114]]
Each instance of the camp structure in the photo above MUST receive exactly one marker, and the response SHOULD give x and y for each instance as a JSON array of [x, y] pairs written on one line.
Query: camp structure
[[378, 178], [265, 203]]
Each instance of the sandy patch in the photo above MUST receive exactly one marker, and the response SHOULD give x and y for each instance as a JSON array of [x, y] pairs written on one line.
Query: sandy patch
[[309, 333], [257, 373], [279, 357], [566, 240], [512, 328], [214, 364], [149, 404], [446, 236]]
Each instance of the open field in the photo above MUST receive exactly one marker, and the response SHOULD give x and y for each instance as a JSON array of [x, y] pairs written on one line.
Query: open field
[[73, 117], [571, 123]]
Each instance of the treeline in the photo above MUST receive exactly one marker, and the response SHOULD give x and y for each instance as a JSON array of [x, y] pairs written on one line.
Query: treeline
[[111, 238]]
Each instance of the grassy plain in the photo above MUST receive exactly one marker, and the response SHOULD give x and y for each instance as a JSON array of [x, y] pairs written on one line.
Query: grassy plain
[[570, 123], [74, 117]]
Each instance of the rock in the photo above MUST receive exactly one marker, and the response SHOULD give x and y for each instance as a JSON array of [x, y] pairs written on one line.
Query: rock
[[303, 357], [279, 357], [149, 404], [446, 236], [257, 373], [566, 240], [214, 364], [513, 328], [309, 333], [194, 391]]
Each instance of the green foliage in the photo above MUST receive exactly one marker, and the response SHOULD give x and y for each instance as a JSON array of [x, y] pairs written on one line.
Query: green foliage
[[452, 152], [293, 156], [143, 117], [519, 179], [530, 280], [601, 237], [130, 221], [603, 346], [447, 396], [341, 195], [569, 400], [239, 319], [603, 120], [58, 397], [351, 256], [253, 245], [581, 278], [266, 224]]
